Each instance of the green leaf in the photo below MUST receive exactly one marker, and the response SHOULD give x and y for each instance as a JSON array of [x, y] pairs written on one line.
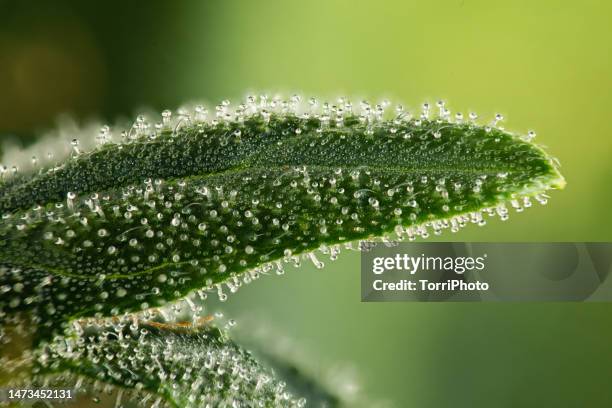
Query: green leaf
[[158, 365], [192, 204], [300, 382]]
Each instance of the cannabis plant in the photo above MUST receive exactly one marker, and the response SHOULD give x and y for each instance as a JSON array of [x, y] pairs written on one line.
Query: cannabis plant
[[107, 254]]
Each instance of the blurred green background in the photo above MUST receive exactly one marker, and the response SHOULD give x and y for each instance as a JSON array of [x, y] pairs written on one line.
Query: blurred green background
[[544, 64]]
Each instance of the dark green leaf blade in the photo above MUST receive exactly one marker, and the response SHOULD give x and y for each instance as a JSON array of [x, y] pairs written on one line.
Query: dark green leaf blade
[[158, 364], [216, 204]]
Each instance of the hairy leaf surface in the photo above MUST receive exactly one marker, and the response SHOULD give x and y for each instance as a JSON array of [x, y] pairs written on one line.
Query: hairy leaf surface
[[159, 365], [134, 225]]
